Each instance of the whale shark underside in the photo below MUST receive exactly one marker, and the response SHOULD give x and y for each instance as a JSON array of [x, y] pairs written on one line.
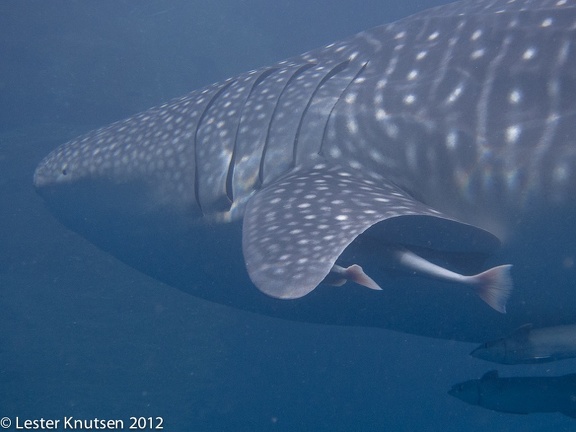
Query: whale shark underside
[[387, 180]]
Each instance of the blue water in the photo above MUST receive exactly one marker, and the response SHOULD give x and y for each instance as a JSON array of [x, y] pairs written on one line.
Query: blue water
[[83, 335]]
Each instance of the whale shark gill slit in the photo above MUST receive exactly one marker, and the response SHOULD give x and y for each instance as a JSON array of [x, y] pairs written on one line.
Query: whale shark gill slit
[[265, 164], [360, 71], [230, 175], [199, 157]]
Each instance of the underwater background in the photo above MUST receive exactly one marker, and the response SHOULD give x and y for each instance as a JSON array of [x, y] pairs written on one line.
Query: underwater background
[[83, 335]]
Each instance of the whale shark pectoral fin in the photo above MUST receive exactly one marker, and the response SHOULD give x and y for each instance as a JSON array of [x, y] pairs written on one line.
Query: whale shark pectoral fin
[[295, 229]]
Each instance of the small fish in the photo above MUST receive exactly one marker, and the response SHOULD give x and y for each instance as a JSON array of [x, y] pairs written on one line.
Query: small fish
[[520, 395], [494, 285], [529, 345]]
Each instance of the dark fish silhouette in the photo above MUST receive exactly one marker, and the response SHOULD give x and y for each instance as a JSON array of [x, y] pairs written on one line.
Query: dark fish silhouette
[[520, 395]]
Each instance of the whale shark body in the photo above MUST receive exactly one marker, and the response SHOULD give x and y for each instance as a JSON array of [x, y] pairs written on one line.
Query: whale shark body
[[413, 149]]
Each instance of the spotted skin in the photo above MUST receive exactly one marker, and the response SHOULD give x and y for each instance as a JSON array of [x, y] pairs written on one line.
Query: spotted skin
[[462, 117]]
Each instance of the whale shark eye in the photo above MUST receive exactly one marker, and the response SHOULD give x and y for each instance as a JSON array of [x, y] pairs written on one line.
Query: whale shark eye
[[64, 171]]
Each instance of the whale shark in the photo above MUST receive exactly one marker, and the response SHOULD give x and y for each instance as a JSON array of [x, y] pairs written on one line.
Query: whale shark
[[387, 180]]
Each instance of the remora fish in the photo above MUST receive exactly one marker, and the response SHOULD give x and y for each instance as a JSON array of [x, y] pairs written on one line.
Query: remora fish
[[520, 395], [426, 137], [528, 345]]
